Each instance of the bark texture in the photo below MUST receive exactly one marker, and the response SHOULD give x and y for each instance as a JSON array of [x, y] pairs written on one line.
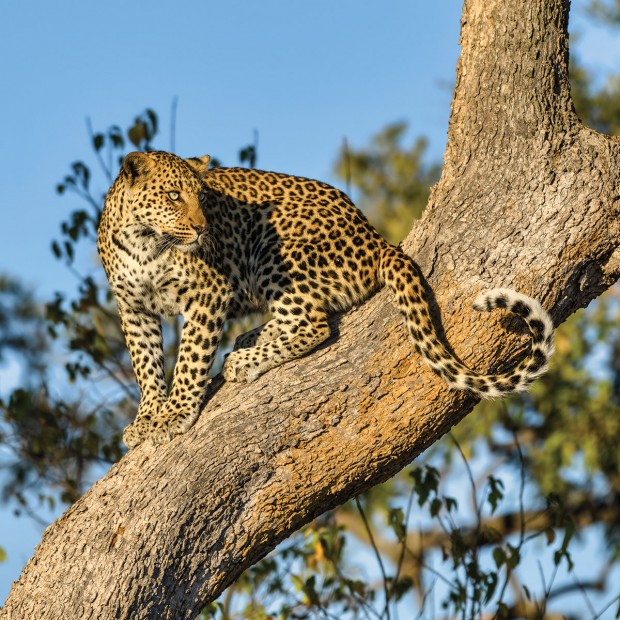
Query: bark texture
[[529, 198]]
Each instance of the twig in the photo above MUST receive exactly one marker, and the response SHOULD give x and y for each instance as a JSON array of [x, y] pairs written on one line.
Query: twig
[[91, 135], [427, 592], [600, 613], [401, 557], [377, 555], [521, 513], [347, 160], [173, 123], [478, 510]]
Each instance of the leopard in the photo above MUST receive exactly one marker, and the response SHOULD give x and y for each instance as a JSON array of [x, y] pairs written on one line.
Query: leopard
[[181, 237]]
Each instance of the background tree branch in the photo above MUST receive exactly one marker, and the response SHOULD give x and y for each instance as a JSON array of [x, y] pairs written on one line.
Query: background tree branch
[[528, 198]]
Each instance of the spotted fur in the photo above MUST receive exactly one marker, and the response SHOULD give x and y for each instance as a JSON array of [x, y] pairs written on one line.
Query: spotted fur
[[179, 238]]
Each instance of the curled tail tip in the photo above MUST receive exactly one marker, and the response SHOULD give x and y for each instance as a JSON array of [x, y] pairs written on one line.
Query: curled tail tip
[[501, 298], [526, 307], [539, 324], [517, 303]]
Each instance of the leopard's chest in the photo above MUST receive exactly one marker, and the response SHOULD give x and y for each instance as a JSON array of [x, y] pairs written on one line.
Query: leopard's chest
[[155, 287], [164, 300]]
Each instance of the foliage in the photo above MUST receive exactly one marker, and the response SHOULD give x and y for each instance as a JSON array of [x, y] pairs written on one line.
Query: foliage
[[600, 109], [22, 332], [570, 420], [392, 181], [46, 439]]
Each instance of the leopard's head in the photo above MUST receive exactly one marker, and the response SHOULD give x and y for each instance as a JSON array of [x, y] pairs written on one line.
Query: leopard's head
[[165, 195]]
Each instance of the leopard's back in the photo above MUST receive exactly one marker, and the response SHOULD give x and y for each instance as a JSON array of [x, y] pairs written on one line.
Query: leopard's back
[[301, 236]]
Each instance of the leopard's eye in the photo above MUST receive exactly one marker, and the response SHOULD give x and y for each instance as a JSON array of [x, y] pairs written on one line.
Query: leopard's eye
[[202, 196], [174, 195]]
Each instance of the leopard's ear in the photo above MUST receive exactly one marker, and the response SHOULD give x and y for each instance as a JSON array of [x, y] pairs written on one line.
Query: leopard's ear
[[200, 164], [135, 165]]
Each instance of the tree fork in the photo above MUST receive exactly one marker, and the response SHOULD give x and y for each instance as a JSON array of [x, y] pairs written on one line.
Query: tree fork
[[528, 198]]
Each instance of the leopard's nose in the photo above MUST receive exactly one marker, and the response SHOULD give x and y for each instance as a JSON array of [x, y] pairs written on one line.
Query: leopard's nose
[[200, 230]]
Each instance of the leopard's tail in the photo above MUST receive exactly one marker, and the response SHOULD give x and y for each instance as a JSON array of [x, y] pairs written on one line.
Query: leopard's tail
[[403, 276]]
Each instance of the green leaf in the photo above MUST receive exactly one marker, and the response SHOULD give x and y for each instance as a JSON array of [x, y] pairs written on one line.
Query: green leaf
[[82, 173], [396, 520], [495, 492], [513, 559], [491, 583], [152, 117], [401, 587], [69, 251], [136, 134], [98, 141], [356, 586], [310, 590], [562, 553], [499, 555], [2, 555], [298, 583], [425, 482], [450, 503], [248, 154], [116, 135]]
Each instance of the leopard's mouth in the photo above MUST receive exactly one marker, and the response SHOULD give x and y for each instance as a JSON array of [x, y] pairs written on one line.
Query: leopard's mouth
[[181, 241], [200, 245], [193, 246], [164, 242]]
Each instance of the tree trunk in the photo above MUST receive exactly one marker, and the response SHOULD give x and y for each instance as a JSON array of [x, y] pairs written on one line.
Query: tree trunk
[[528, 199]]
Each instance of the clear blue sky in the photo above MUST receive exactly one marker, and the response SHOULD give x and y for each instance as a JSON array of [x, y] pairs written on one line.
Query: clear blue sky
[[304, 74]]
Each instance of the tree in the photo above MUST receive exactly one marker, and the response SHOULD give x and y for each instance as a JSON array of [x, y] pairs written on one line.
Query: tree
[[562, 437], [560, 440], [164, 532]]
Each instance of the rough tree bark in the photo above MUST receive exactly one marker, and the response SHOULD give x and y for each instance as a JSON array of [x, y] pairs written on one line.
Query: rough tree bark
[[528, 198]]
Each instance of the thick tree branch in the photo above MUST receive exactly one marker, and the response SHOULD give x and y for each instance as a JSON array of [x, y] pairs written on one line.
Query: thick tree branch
[[528, 198]]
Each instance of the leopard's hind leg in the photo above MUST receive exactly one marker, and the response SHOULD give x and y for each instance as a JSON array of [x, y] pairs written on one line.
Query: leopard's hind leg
[[301, 329], [259, 335]]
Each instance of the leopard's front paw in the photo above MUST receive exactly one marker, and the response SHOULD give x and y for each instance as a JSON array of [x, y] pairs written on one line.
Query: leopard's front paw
[[136, 432], [165, 427], [140, 429], [237, 367]]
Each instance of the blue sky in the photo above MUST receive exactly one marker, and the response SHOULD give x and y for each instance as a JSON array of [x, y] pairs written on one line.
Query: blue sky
[[303, 74]]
